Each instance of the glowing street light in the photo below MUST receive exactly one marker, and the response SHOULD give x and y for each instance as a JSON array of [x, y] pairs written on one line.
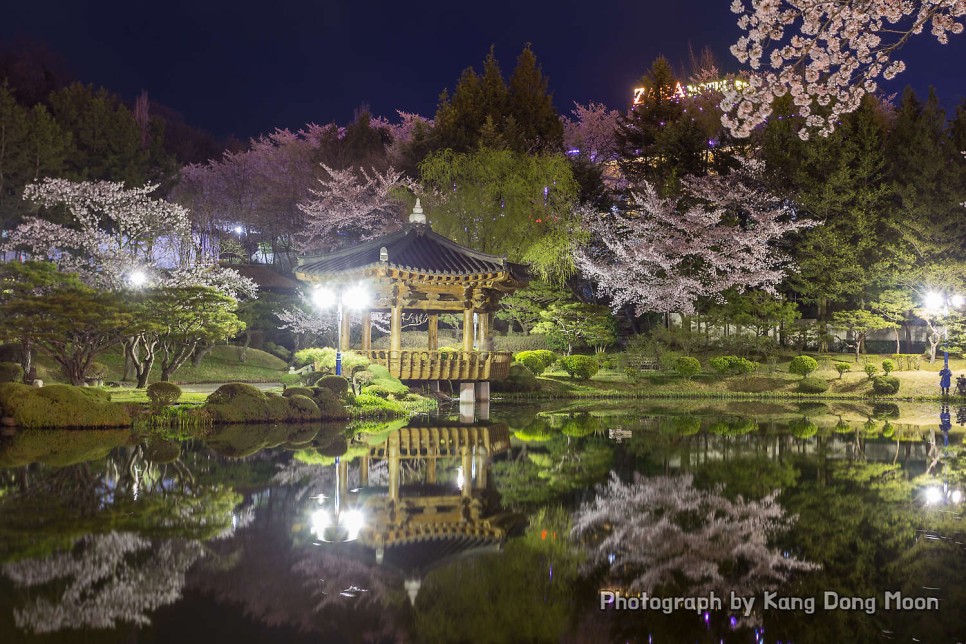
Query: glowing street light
[[336, 524], [137, 278], [353, 297]]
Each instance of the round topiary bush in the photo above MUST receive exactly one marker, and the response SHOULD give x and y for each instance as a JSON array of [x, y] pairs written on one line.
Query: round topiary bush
[[813, 385], [298, 391], [336, 384], [842, 368], [377, 390], [227, 393], [803, 365], [687, 367], [888, 366], [803, 428], [363, 379], [885, 385], [162, 394], [11, 372], [536, 361], [579, 366], [329, 405]]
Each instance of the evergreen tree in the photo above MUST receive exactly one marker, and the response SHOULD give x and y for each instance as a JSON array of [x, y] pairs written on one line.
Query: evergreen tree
[[106, 137], [538, 126]]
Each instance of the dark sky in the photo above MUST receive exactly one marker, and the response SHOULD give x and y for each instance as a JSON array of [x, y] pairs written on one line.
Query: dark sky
[[244, 68]]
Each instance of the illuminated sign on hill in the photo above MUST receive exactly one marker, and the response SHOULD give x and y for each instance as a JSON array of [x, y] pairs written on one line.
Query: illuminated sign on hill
[[683, 91]]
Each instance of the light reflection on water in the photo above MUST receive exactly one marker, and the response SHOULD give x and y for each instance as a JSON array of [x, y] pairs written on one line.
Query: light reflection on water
[[112, 533]]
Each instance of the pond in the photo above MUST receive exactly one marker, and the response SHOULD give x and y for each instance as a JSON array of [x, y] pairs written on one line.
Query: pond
[[665, 521]]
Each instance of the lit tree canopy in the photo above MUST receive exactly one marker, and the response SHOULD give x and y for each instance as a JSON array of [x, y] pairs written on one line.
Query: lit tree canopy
[[503, 202], [827, 55], [661, 532], [662, 254], [113, 232], [351, 205]]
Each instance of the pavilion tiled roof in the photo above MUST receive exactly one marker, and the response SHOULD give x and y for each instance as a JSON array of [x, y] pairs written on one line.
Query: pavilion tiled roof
[[415, 248]]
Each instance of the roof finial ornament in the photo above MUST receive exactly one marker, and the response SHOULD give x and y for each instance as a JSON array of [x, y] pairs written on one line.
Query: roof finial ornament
[[417, 216]]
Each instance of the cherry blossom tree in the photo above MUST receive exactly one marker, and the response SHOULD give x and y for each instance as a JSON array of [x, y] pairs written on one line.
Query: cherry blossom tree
[[663, 534], [827, 55], [113, 233], [109, 578], [354, 204], [591, 132], [661, 254]]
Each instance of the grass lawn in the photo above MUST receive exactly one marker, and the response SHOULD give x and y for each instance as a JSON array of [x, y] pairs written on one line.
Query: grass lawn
[[775, 380], [223, 364]]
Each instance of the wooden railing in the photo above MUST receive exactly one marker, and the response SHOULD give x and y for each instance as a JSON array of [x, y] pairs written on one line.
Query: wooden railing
[[444, 365]]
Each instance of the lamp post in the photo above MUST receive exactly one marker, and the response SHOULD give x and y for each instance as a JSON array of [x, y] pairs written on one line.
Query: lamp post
[[354, 297], [941, 302], [336, 524]]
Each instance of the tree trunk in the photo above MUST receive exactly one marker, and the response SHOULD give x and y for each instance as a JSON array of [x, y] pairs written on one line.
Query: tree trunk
[[897, 341], [823, 326], [26, 358], [907, 328], [200, 352]]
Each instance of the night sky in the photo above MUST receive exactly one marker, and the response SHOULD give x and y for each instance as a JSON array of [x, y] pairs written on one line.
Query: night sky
[[244, 68]]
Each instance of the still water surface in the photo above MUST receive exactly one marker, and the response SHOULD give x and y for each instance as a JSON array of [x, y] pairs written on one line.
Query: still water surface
[[808, 523]]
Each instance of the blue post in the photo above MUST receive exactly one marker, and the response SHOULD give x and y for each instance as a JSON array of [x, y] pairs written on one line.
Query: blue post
[[338, 342]]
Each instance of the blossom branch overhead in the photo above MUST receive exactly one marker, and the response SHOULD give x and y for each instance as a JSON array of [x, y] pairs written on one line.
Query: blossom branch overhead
[[826, 54]]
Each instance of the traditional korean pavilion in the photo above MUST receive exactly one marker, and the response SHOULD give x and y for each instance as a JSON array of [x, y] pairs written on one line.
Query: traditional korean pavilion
[[416, 270]]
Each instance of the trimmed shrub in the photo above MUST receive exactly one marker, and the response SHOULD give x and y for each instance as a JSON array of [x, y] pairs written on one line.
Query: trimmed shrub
[[302, 408], [885, 385], [330, 407], [96, 371], [732, 365], [336, 384], [241, 403], [162, 394], [11, 372], [870, 370], [227, 393], [362, 379], [61, 406], [888, 366], [520, 380], [803, 428], [687, 367], [580, 366], [813, 385], [382, 377], [842, 367], [802, 365], [298, 391], [536, 361], [377, 390], [581, 425]]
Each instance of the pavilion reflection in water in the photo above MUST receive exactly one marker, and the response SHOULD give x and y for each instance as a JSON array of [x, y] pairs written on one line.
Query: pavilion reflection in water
[[438, 505]]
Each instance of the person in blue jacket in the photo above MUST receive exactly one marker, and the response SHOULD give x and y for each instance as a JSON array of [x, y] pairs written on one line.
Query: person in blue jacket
[[945, 376]]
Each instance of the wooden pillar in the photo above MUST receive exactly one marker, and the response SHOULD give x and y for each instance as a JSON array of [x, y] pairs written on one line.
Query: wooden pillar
[[485, 339], [393, 455], [481, 458], [344, 340], [343, 476], [467, 459], [467, 330], [395, 326], [364, 471], [367, 331], [433, 331], [431, 470]]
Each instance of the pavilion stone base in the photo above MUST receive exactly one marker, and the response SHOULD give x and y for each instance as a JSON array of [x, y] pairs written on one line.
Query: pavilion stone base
[[483, 391], [467, 392]]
